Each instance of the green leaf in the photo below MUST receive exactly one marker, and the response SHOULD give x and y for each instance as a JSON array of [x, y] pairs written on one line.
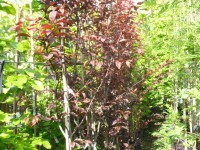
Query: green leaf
[[8, 8], [17, 81], [4, 135], [46, 144], [73, 28], [9, 100], [23, 46], [36, 142], [4, 117], [30, 72], [38, 85], [16, 122], [19, 146]]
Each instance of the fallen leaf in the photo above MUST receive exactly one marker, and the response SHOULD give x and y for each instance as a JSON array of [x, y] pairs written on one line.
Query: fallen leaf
[[118, 64], [128, 63], [140, 51]]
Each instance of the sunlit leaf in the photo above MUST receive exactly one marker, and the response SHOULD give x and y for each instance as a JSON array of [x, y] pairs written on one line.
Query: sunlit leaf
[[46, 26], [46, 144], [8, 8], [4, 117], [4, 135], [52, 15], [38, 85], [23, 45], [35, 120]]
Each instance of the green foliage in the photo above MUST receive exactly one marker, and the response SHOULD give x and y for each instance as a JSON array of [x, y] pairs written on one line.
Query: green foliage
[[4, 117], [21, 141], [170, 132], [23, 46], [170, 33], [20, 83], [41, 142], [6, 7]]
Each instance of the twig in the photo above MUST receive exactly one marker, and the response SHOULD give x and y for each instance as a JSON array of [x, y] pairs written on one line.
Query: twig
[[87, 110]]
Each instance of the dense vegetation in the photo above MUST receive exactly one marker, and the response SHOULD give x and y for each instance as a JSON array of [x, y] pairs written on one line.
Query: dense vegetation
[[99, 74]]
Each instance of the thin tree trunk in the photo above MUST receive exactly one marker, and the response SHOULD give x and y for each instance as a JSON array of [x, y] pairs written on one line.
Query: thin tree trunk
[[1, 76], [194, 119], [16, 67], [191, 20], [184, 120], [66, 100], [175, 98]]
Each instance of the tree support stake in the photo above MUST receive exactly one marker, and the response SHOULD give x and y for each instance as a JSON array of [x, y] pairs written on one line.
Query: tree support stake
[[2, 62]]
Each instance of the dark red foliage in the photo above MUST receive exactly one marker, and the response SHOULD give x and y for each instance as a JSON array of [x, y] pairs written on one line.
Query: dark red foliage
[[104, 32], [35, 120]]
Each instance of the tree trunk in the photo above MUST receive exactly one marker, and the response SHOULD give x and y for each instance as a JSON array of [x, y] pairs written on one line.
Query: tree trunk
[[66, 100], [184, 120]]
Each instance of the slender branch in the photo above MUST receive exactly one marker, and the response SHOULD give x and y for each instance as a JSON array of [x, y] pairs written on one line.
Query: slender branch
[[16, 65], [87, 110]]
